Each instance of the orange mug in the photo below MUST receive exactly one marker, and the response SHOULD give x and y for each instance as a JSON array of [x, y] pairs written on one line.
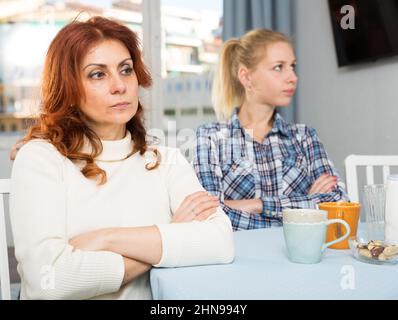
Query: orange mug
[[347, 211]]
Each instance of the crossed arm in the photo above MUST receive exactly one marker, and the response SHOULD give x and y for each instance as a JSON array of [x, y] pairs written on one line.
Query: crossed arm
[[141, 247], [85, 266], [266, 211], [324, 184]]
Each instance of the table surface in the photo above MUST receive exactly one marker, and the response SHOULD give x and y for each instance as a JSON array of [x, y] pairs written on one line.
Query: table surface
[[261, 270]]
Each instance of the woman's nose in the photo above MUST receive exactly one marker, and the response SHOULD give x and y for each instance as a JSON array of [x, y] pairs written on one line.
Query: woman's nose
[[292, 77], [118, 86]]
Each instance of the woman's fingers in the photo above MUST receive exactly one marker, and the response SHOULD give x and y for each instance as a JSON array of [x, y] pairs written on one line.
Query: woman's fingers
[[206, 214], [187, 202], [328, 187], [318, 182], [200, 201], [323, 184], [327, 184], [314, 186], [195, 204], [196, 195], [201, 207], [196, 198]]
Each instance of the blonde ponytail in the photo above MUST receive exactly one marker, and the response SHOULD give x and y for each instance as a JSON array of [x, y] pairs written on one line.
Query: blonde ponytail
[[249, 50], [228, 92]]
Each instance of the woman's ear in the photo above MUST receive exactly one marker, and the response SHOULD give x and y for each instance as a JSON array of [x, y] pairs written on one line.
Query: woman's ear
[[244, 77]]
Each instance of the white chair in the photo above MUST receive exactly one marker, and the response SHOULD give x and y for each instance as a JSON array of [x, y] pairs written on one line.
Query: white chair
[[4, 270], [352, 162]]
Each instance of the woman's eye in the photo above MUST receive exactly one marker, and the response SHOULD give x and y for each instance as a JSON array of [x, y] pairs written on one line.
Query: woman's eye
[[278, 67], [294, 65], [127, 71], [96, 75]]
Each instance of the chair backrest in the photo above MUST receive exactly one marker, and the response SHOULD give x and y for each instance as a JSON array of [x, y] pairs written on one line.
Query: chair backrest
[[352, 162], [4, 269]]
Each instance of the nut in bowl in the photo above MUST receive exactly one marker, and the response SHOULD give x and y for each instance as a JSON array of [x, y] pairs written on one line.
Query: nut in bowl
[[373, 251]]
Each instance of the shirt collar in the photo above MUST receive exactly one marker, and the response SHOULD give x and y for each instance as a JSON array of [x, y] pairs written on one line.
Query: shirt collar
[[280, 126], [116, 149], [113, 149]]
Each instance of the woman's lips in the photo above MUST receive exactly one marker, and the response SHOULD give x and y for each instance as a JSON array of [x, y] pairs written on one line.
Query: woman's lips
[[289, 92], [120, 106]]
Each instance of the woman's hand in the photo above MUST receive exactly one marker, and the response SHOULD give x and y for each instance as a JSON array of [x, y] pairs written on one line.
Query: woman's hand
[[96, 240], [324, 184], [197, 206]]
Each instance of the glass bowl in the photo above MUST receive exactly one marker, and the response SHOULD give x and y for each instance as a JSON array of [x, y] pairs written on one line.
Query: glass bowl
[[373, 251]]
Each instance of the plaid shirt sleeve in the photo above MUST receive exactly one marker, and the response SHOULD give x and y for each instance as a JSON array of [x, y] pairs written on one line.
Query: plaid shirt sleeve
[[318, 164], [208, 169]]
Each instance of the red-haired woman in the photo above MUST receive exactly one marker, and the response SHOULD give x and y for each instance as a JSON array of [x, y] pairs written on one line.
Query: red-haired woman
[[93, 207]]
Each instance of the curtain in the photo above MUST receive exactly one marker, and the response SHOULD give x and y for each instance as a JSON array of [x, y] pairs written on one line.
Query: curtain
[[241, 16]]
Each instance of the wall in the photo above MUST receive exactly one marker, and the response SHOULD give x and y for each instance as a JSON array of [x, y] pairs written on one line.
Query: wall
[[354, 109]]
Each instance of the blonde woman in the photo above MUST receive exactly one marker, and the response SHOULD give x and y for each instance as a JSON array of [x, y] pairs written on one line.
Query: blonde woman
[[253, 160], [94, 206]]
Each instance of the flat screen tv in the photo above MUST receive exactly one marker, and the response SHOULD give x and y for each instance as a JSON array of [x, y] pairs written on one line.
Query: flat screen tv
[[372, 33]]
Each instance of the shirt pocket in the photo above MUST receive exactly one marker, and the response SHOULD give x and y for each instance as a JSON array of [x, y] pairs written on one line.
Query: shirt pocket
[[238, 179], [295, 175]]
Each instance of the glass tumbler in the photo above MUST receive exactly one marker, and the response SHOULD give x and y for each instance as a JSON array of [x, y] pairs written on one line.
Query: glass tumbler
[[375, 203]]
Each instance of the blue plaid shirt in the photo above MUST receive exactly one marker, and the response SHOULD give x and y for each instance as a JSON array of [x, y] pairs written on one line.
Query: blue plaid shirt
[[279, 171]]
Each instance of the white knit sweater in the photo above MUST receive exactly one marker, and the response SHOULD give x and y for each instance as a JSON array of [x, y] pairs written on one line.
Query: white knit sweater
[[51, 202]]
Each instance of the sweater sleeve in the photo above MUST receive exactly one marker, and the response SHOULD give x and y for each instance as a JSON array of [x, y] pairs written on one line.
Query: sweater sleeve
[[48, 266], [196, 242]]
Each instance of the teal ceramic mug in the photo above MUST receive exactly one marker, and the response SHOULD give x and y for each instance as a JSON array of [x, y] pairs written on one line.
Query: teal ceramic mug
[[305, 234]]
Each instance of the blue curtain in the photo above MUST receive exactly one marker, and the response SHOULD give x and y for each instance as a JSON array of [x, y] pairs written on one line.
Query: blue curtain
[[241, 16]]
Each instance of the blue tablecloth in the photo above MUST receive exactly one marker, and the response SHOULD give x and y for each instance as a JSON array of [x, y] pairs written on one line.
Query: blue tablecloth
[[261, 270]]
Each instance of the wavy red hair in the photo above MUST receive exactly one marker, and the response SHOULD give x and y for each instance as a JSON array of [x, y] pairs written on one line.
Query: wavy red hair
[[61, 122]]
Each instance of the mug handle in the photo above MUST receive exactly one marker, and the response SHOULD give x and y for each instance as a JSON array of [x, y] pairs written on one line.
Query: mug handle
[[348, 231]]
